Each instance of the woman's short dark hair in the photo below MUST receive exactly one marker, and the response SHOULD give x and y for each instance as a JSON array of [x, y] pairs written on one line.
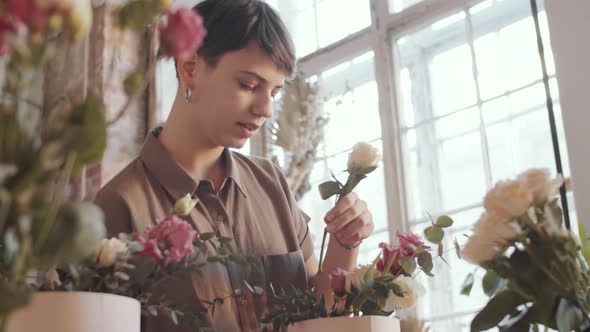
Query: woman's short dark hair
[[233, 24]]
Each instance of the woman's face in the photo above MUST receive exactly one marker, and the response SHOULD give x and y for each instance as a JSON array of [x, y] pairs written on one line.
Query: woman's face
[[233, 99]]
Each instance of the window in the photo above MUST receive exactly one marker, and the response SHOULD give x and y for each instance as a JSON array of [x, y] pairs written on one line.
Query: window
[[469, 110], [318, 23], [472, 112]]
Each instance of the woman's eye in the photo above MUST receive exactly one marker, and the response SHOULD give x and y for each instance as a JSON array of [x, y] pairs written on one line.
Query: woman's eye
[[247, 86]]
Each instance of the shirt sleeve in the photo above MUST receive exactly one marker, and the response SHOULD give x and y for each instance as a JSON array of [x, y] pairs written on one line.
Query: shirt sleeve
[[116, 212]]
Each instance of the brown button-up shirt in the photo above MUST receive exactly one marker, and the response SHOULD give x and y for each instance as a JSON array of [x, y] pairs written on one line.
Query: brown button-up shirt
[[254, 206]]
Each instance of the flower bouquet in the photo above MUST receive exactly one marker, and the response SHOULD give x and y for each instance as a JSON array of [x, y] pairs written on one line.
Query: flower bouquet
[[132, 266], [46, 139], [365, 298], [535, 273]]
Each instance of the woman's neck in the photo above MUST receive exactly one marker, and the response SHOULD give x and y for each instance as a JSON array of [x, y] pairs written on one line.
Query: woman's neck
[[199, 159]]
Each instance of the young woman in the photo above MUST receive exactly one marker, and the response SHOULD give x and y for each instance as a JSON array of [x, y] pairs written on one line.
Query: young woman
[[224, 96]]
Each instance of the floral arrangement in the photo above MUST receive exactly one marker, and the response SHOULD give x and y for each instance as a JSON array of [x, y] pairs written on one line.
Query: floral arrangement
[[381, 288], [535, 272], [386, 286], [134, 265], [43, 144]]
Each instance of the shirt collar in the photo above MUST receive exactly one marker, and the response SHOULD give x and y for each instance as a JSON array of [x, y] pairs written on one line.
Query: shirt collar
[[172, 176]]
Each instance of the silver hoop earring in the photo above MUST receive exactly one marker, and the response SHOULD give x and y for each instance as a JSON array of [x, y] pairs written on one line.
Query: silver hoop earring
[[188, 94]]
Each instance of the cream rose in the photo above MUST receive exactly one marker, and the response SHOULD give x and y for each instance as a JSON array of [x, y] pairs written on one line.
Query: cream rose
[[411, 289], [363, 156], [540, 185], [356, 278], [185, 205], [508, 199], [79, 19], [491, 233], [110, 250]]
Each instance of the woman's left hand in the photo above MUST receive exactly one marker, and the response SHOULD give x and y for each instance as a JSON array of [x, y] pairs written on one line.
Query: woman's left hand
[[350, 220]]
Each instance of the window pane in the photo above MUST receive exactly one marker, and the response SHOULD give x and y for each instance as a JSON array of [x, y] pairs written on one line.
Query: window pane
[[456, 64], [500, 67], [456, 142], [353, 96], [313, 23], [336, 21], [443, 291], [396, 6], [436, 63], [461, 171]]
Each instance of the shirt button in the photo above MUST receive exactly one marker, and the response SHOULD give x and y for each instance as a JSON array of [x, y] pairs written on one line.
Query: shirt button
[[244, 301], [219, 218]]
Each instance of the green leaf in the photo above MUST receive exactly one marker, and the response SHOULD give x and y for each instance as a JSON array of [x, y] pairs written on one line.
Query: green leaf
[[329, 189], [584, 241], [206, 236], [569, 316], [224, 240], [425, 261], [499, 306], [258, 290], [152, 310], [250, 288], [133, 82], [434, 234], [492, 283], [238, 293], [467, 284], [174, 317], [367, 170], [86, 131], [409, 265], [444, 222]]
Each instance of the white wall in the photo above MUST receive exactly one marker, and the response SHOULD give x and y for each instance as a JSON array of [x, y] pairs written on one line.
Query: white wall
[[569, 27]]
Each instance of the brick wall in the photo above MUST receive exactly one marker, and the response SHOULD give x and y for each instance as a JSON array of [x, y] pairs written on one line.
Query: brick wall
[[112, 55]]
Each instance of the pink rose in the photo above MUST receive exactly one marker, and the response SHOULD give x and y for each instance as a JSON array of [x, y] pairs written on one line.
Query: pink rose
[[150, 248], [391, 252], [173, 238], [28, 12], [337, 280], [181, 33], [411, 241]]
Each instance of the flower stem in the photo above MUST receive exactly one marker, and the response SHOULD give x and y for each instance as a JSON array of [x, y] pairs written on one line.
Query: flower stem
[[322, 249]]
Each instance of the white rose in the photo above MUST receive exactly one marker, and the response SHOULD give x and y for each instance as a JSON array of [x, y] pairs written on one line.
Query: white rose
[[491, 233], [363, 156], [185, 205], [508, 199], [497, 229], [356, 278], [91, 228], [479, 249], [411, 289], [110, 250], [389, 302], [540, 185]]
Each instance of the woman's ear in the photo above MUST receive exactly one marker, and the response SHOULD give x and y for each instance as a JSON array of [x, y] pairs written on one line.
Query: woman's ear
[[187, 69]]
